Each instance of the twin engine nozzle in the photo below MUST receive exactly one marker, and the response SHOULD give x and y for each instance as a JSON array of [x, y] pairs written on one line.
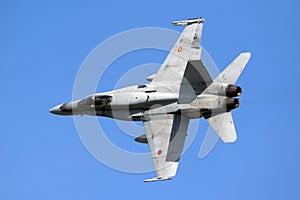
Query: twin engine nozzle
[[233, 91], [232, 103], [222, 89]]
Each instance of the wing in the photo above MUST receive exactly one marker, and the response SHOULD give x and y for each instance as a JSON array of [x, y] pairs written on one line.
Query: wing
[[223, 125], [187, 47], [166, 132], [166, 135]]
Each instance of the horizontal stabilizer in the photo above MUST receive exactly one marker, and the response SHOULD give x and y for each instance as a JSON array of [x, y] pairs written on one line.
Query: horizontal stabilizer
[[234, 70], [223, 125]]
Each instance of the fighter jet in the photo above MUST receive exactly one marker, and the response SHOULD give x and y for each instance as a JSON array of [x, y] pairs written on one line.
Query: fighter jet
[[181, 90]]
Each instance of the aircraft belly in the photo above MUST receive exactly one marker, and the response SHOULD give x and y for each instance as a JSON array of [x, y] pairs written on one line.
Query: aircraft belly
[[119, 114]]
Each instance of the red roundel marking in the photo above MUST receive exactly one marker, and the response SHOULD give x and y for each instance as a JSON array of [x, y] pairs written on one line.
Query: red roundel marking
[[159, 152]]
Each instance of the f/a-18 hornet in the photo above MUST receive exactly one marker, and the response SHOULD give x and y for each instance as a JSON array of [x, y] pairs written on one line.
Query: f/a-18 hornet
[[181, 90]]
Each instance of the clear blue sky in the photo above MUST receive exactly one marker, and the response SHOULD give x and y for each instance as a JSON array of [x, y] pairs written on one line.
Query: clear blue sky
[[42, 45]]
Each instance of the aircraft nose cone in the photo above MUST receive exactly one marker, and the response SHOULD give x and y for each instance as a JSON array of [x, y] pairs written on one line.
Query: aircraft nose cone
[[63, 109], [55, 110]]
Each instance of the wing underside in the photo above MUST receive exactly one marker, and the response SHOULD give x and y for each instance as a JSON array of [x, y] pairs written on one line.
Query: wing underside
[[181, 74], [166, 135], [169, 76]]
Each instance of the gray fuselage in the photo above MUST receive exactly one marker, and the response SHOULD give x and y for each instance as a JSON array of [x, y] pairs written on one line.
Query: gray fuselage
[[133, 103]]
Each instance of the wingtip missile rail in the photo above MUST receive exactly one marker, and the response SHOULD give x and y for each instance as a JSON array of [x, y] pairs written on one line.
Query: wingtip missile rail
[[188, 21]]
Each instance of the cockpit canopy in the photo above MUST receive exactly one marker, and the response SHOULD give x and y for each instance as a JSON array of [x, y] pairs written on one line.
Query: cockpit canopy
[[96, 101]]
